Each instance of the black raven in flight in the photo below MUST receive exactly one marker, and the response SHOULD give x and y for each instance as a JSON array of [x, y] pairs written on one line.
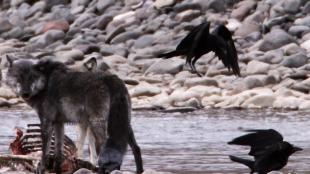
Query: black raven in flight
[[200, 41], [268, 148]]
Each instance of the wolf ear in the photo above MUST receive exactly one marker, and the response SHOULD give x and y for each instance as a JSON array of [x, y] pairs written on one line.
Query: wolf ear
[[91, 64], [9, 60]]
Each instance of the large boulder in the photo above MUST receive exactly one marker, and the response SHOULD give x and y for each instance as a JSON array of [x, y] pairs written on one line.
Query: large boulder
[[166, 66], [243, 9], [295, 60], [163, 3], [257, 67], [144, 89], [275, 39], [260, 100]]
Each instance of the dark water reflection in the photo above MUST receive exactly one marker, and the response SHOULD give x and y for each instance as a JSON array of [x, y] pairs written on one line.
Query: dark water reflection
[[193, 142]]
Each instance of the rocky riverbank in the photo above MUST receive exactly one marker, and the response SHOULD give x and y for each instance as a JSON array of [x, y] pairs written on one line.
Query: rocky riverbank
[[272, 38]]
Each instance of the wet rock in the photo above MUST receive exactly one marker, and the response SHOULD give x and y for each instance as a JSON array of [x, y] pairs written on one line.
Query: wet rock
[[306, 9], [216, 5], [114, 60], [103, 21], [204, 90], [116, 31], [303, 21], [75, 3], [123, 37], [107, 50], [7, 93], [5, 25], [187, 15], [259, 101], [56, 25], [302, 87], [305, 105], [193, 103], [295, 60], [84, 19], [306, 45], [275, 39], [291, 48], [291, 6], [243, 8], [144, 89], [238, 99], [73, 54], [252, 82], [16, 32], [163, 66], [298, 30], [163, 3], [257, 67], [48, 38], [289, 102], [181, 95], [37, 7], [126, 18], [144, 41], [102, 5], [88, 48], [211, 100], [274, 56], [251, 24], [52, 3], [205, 81], [179, 7]]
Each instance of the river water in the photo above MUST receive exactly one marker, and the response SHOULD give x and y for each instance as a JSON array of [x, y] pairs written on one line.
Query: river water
[[193, 142]]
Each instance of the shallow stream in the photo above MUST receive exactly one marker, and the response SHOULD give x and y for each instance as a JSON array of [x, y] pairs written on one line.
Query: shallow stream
[[194, 142]]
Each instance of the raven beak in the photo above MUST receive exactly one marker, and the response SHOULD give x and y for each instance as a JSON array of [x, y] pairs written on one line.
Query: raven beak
[[295, 149]]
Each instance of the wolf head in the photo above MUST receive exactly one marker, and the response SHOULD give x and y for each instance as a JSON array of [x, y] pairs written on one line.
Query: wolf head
[[25, 77]]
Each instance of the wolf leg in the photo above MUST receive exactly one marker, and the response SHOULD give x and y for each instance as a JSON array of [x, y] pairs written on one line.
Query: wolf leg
[[92, 147], [59, 139], [111, 156], [136, 151], [46, 135], [82, 130], [97, 134]]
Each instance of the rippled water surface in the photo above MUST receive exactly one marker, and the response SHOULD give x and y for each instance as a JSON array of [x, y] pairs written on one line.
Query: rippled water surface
[[193, 143]]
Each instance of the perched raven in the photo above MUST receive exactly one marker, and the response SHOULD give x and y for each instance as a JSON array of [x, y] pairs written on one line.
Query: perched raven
[[199, 42], [268, 148]]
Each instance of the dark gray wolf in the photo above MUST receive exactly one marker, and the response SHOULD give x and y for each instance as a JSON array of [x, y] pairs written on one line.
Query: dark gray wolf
[[60, 95], [84, 132]]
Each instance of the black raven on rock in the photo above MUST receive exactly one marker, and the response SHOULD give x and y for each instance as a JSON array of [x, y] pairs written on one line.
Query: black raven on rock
[[200, 41], [268, 148]]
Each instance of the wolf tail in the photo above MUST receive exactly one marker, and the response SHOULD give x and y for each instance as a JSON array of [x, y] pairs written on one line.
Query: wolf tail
[[136, 151], [246, 162]]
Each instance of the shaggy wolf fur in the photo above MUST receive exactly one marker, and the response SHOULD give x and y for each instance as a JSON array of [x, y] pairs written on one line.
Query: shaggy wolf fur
[[59, 96], [83, 129]]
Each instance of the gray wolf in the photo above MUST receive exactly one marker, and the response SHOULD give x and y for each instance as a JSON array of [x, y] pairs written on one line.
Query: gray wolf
[[269, 150], [60, 95], [83, 129]]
